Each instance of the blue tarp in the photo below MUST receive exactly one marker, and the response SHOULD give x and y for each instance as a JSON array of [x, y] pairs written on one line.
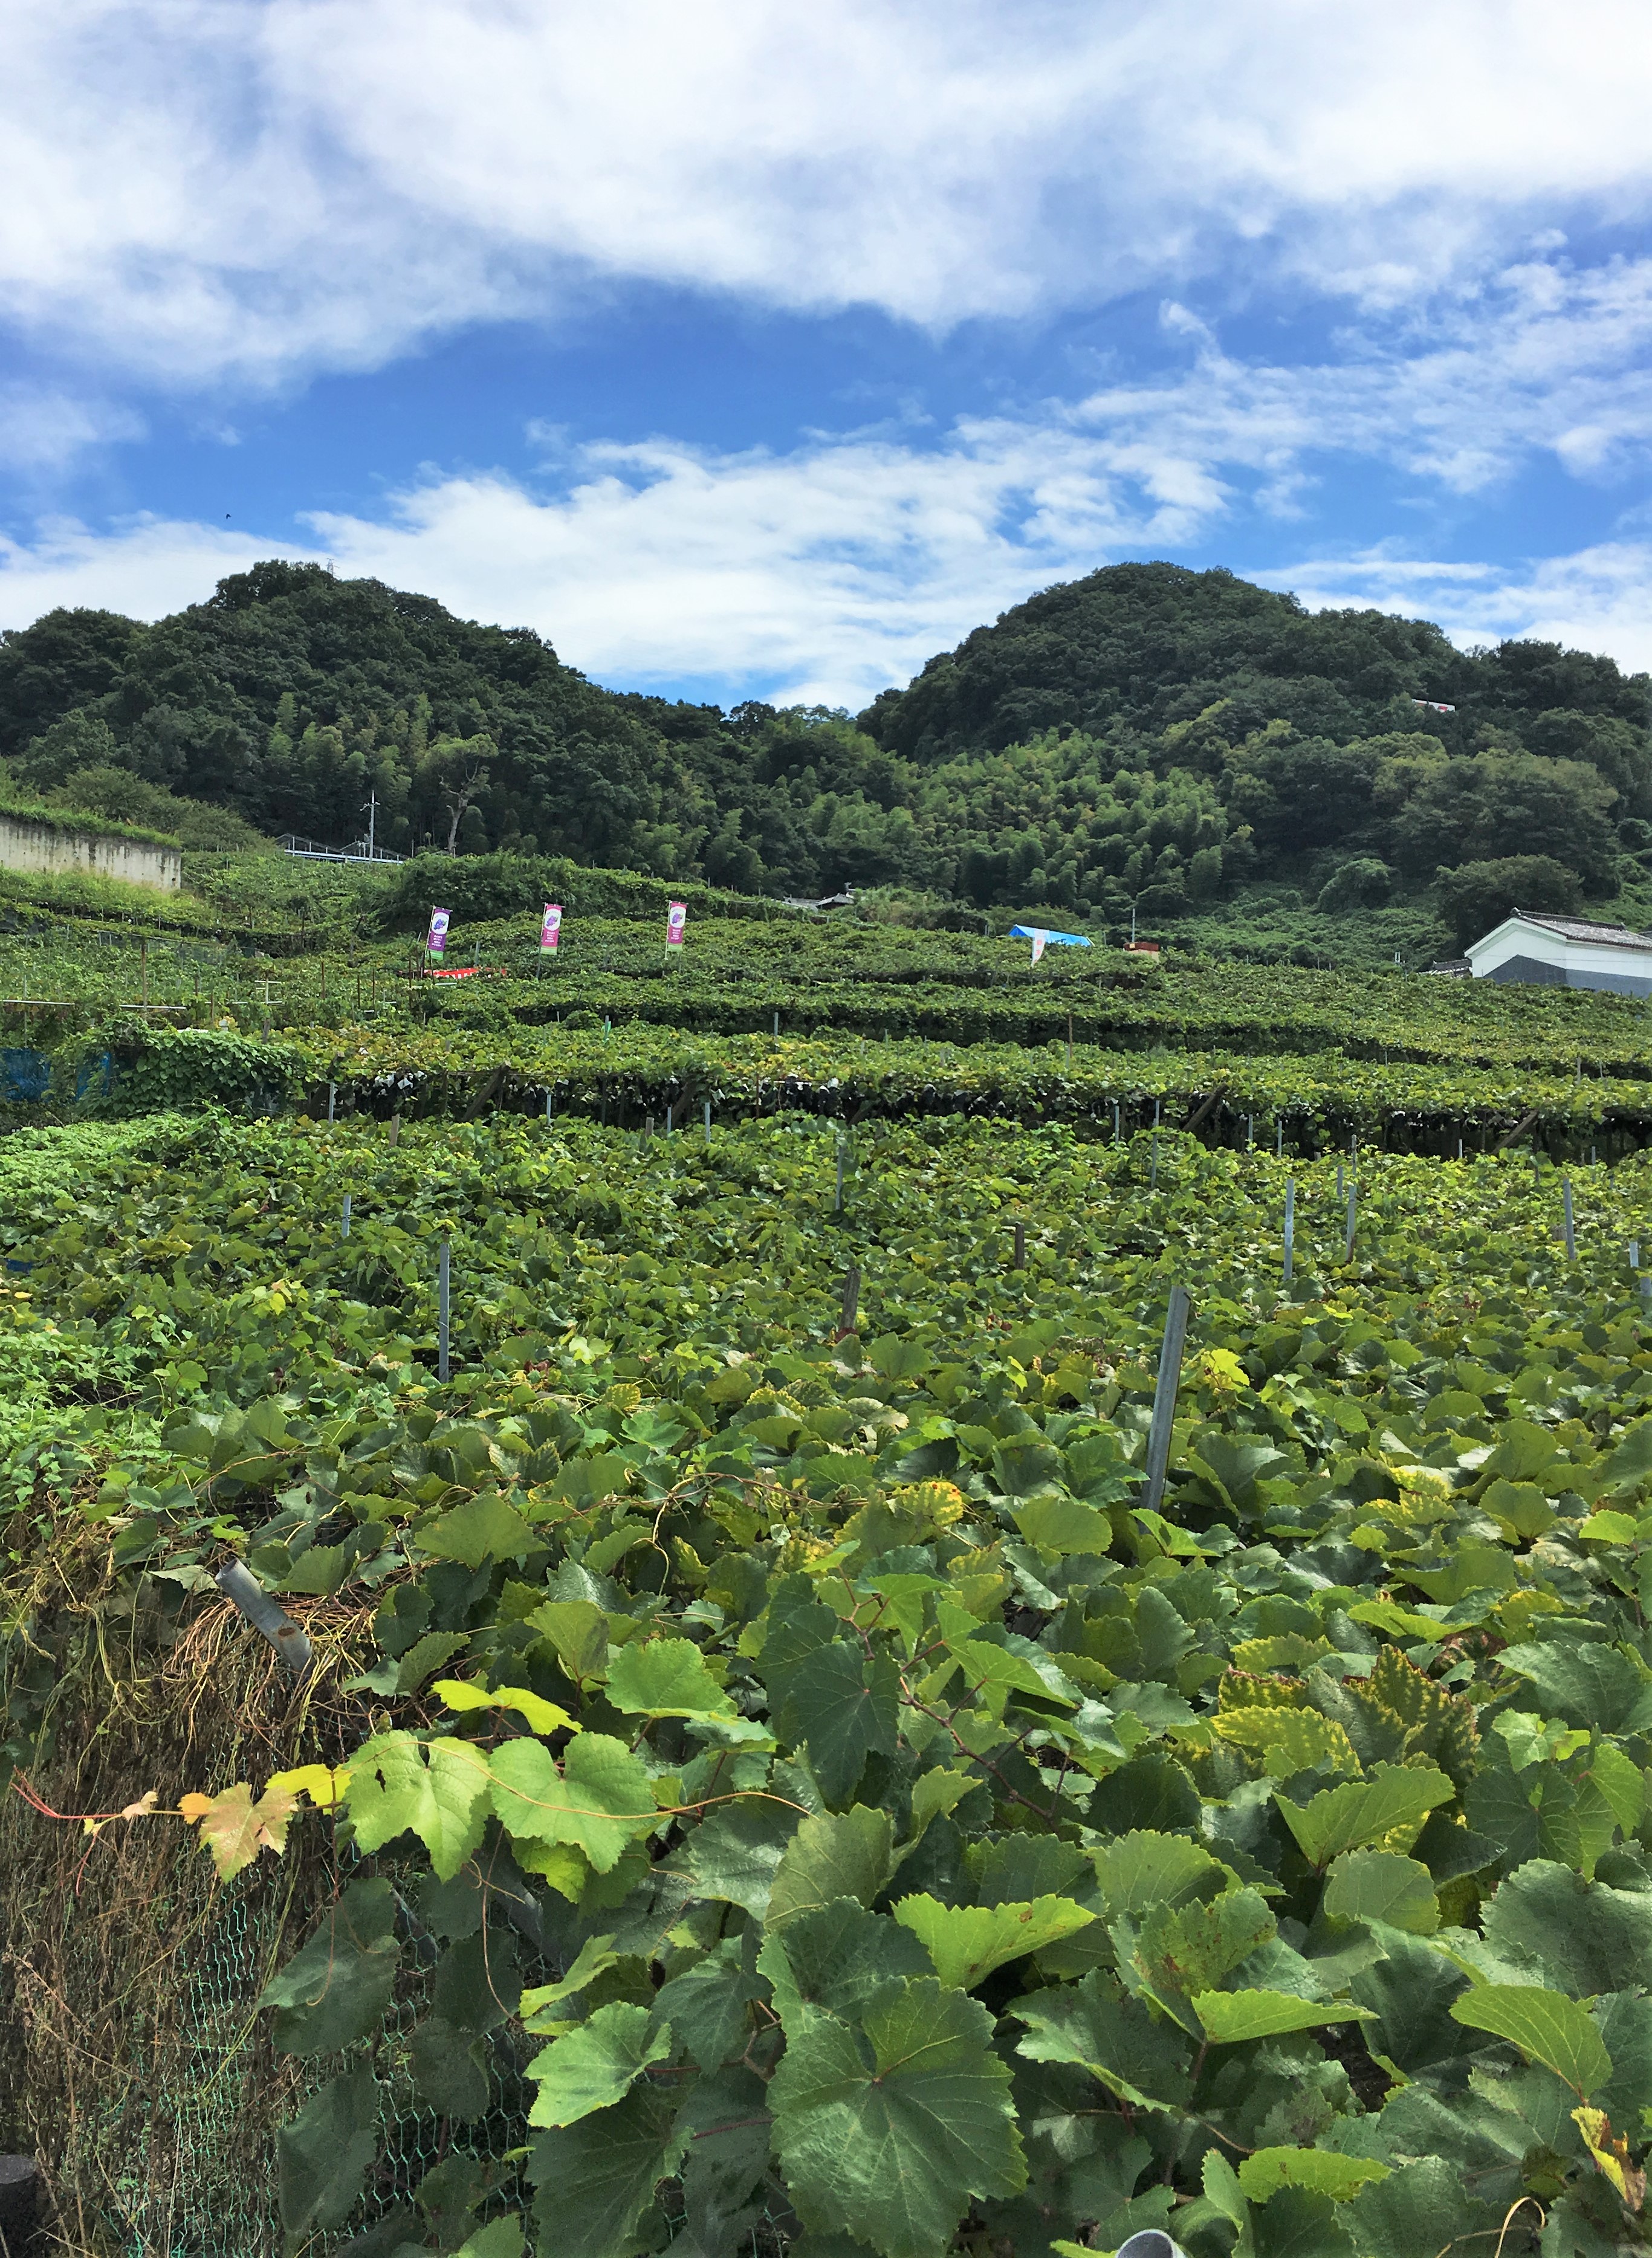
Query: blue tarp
[[1032, 932], [95, 1078], [25, 1075]]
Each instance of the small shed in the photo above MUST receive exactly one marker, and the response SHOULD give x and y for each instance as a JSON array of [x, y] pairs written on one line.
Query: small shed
[[1562, 952]]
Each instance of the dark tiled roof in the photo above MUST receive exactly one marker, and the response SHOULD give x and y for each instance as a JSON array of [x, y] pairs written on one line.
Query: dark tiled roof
[[1615, 936]]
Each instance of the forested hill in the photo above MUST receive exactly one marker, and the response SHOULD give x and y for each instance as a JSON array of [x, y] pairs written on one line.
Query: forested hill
[[1179, 743]]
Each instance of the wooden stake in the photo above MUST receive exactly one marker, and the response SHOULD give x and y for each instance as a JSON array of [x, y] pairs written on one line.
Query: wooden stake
[[1020, 1262], [851, 1302]]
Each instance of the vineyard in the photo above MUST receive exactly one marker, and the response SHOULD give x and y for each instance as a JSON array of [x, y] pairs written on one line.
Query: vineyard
[[803, 1717]]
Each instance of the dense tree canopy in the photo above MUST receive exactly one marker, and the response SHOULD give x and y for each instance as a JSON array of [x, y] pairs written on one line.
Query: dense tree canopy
[[1147, 736]]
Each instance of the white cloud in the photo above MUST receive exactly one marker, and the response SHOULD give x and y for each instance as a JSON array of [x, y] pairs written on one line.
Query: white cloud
[[145, 567], [249, 189]]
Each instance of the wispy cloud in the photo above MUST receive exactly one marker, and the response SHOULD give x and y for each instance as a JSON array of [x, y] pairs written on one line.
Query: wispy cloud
[[1598, 598], [828, 572]]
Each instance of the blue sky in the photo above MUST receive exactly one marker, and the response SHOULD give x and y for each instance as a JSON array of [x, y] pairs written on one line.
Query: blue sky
[[751, 352]]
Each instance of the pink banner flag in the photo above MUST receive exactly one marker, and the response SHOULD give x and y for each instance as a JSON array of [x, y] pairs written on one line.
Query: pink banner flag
[[551, 929], [436, 940], [1040, 942], [676, 919]]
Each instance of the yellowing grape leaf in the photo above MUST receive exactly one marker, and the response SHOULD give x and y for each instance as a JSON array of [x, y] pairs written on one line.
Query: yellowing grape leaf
[[234, 1828]]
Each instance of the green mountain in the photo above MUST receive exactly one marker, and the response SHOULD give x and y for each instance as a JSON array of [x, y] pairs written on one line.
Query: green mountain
[[1183, 745]]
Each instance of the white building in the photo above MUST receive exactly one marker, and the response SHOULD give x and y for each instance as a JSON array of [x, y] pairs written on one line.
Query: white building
[[1562, 952]]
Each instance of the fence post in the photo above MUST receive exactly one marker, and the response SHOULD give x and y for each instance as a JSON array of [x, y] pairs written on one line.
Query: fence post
[[547, 1109], [1020, 1259], [1353, 1212], [670, 1111], [1566, 1221], [344, 1227], [442, 1308], [851, 1302], [1115, 1120], [1290, 1227], [1169, 1374], [708, 1125], [244, 1592], [332, 1099]]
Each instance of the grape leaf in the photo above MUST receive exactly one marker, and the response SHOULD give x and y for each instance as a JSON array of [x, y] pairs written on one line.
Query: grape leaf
[[323, 2153], [735, 1853], [1382, 1886], [967, 1942], [1266, 2171], [1095, 2027], [436, 1790], [543, 1716], [891, 2149], [597, 2065], [234, 1828], [323, 1784], [446, 2064], [1424, 2206], [484, 1528], [832, 1855], [1144, 1868], [1177, 1951], [1546, 2026], [578, 1629], [1363, 1811], [1230, 2018], [843, 1704], [500, 2238], [596, 2178], [1064, 1525], [665, 1677], [1586, 1683], [706, 2005], [336, 1987], [593, 1959], [600, 1801], [839, 1957]]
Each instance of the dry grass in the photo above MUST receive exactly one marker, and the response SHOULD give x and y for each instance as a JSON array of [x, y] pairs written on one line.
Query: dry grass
[[131, 2060]]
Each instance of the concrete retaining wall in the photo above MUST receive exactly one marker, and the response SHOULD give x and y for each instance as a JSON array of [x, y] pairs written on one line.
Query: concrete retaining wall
[[37, 847]]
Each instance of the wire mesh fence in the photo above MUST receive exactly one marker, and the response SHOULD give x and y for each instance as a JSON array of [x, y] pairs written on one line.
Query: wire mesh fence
[[161, 2139]]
